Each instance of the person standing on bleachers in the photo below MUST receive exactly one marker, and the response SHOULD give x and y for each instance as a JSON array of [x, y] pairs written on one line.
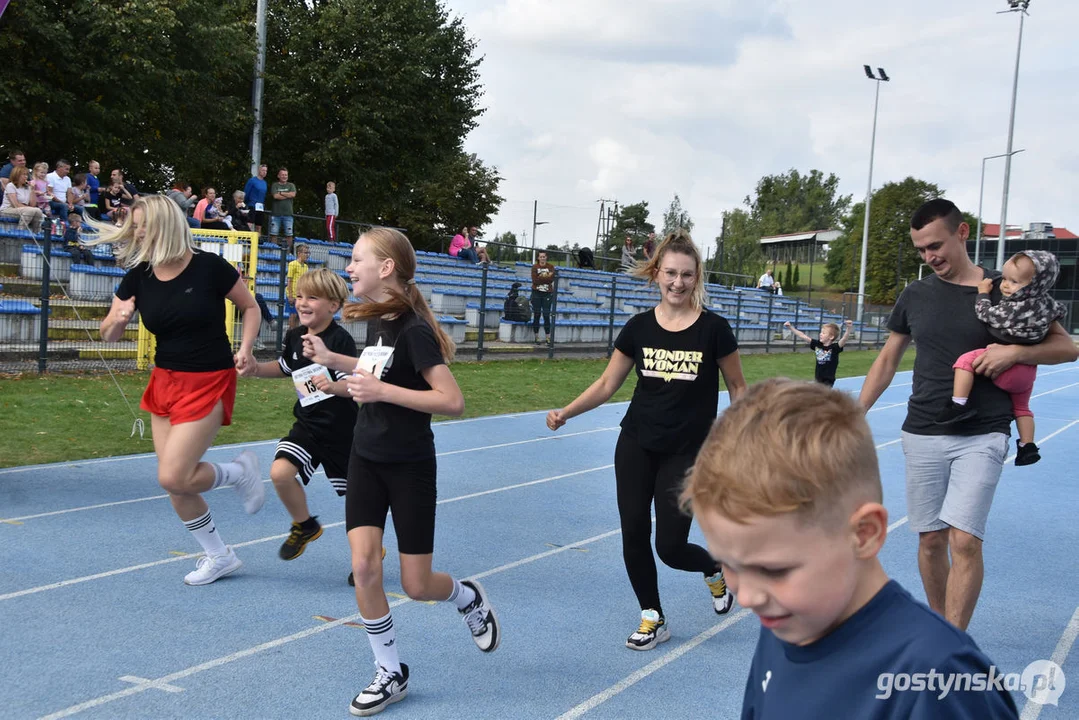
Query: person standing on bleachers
[[333, 208], [255, 196], [282, 194], [543, 279]]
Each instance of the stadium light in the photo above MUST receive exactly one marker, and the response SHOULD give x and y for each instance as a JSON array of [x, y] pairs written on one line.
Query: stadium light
[[869, 188], [1019, 6]]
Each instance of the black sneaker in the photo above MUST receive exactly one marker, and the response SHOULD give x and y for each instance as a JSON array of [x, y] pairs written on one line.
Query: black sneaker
[[385, 689], [1026, 454], [955, 413], [297, 540], [481, 619], [651, 632]]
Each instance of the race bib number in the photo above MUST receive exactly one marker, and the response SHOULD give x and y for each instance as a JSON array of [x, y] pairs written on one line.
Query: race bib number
[[258, 207], [375, 358], [304, 379]]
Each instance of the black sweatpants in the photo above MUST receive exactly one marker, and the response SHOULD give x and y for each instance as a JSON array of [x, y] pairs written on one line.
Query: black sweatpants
[[642, 475]]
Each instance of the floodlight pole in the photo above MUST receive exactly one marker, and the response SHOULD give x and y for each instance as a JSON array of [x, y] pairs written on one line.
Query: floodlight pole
[[981, 192], [256, 99], [869, 190], [1021, 8]]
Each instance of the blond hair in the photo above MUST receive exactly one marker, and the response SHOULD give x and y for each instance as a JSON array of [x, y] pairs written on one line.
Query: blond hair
[[168, 237], [678, 241], [786, 447], [831, 327], [390, 244], [38, 167], [323, 283]]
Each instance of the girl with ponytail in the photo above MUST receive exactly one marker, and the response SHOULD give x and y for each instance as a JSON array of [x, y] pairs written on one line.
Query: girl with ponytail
[[400, 379]]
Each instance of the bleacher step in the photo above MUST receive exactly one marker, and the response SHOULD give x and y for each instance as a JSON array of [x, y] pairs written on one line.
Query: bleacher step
[[21, 287], [474, 335]]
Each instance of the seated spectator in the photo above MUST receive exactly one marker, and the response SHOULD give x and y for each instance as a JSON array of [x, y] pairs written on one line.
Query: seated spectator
[[461, 247], [586, 259], [116, 199], [59, 182], [79, 195], [132, 192], [181, 195], [80, 254], [18, 200], [767, 282], [213, 215], [40, 187], [240, 213], [481, 252], [16, 158]]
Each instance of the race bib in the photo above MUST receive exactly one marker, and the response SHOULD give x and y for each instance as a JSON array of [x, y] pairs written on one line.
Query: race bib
[[375, 358], [305, 385], [258, 206]]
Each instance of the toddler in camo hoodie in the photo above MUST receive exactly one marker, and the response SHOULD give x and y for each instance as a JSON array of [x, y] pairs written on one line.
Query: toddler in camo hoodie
[[1022, 316]]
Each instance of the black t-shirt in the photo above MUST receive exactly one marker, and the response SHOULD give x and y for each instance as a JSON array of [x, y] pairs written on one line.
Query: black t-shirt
[[187, 313], [852, 672], [827, 359], [391, 433], [332, 420], [939, 317], [677, 394]]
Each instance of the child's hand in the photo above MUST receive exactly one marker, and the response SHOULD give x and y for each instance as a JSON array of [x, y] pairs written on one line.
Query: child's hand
[[315, 350], [321, 382], [364, 387], [786, 324], [245, 366], [555, 419], [849, 323], [985, 286]]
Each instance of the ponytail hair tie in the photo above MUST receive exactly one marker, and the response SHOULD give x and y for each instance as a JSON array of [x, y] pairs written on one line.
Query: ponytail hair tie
[[410, 281]]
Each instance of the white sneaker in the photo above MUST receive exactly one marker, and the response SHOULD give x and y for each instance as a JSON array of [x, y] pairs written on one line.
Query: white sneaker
[[250, 487], [208, 568], [481, 619]]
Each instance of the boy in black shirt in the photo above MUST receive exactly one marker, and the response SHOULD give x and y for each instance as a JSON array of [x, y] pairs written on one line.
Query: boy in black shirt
[[798, 535], [325, 414], [826, 349]]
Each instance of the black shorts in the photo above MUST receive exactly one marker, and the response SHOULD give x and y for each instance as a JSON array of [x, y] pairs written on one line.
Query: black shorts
[[406, 489], [301, 449]]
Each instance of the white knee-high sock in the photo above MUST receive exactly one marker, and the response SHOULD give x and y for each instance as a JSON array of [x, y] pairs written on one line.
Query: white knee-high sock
[[226, 474], [206, 533], [383, 639]]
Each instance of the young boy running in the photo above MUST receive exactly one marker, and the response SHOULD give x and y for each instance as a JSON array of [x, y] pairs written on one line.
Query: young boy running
[[325, 414], [826, 349], [798, 534]]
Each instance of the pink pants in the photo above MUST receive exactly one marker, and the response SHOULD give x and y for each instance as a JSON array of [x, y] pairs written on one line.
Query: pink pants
[[331, 228], [1017, 381]]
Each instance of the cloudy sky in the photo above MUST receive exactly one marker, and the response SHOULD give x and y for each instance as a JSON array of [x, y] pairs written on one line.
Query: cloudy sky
[[641, 99]]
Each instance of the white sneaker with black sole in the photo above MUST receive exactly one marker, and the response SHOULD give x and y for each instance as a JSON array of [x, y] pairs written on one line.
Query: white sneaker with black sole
[[722, 598], [481, 619], [386, 689], [651, 632], [250, 487], [209, 568]]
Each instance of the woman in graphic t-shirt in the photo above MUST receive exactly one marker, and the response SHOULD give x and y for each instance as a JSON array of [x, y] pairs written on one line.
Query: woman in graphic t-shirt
[[401, 379], [180, 294], [679, 350]]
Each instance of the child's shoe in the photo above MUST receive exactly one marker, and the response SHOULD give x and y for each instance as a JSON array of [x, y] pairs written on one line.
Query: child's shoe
[[1026, 454], [953, 412]]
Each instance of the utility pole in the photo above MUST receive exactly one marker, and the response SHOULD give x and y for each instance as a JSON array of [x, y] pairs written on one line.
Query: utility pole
[[256, 100]]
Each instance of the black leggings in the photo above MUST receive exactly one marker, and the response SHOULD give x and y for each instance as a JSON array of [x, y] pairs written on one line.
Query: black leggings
[[642, 475]]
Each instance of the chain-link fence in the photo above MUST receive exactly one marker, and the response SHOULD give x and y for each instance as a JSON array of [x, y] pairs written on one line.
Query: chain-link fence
[[53, 303]]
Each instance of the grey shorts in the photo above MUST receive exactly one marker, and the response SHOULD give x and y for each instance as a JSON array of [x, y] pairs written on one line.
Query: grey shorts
[[951, 480]]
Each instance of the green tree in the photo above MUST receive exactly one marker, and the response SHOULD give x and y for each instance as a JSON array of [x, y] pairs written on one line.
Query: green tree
[[631, 220], [165, 91], [676, 217], [796, 283], [889, 246], [738, 251], [793, 202]]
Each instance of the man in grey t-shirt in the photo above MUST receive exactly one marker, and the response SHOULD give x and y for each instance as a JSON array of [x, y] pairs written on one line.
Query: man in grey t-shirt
[[952, 472]]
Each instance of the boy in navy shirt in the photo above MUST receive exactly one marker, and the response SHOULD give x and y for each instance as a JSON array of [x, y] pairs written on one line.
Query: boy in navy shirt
[[798, 533]]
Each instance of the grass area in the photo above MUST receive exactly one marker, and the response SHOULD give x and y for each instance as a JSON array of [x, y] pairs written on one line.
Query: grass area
[[73, 417]]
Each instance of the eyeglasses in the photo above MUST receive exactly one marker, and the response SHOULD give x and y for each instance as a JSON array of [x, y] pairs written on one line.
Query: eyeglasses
[[671, 275]]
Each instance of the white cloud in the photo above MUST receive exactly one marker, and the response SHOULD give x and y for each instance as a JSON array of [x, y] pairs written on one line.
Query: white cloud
[[639, 99]]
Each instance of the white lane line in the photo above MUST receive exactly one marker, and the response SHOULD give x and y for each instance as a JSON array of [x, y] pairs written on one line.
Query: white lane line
[[1050, 392], [271, 538], [1032, 710], [18, 520], [323, 627], [1048, 437], [657, 664]]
